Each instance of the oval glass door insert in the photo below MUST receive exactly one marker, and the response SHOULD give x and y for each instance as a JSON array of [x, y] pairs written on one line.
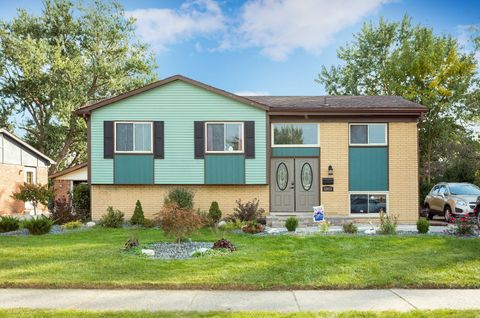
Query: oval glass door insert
[[282, 176], [306, 176]]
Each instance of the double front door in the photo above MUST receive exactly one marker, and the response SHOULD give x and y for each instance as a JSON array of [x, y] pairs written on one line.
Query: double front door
[[294, 184]]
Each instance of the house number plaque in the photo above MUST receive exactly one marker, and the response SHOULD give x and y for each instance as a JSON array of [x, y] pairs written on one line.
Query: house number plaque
[[327, 189]]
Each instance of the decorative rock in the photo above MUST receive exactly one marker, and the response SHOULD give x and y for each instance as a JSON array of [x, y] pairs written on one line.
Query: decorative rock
[[221, 224], [370, 231], [148, 252], [90, 224]]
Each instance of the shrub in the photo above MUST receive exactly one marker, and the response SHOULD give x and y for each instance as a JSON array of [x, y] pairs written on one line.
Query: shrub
[[350, 228], [62, 213], [113, 218], [177, 222], [464, 226], [423, 225], [388, 224], [81, 201], [9, 224], [132, 242], [291, 223], [72, 225], [223, 243], [182, 197], [148, 223], [214, 213], [34, 193], [137, 218], [324, 226], [252, 227], [247, 211], [38, 225]]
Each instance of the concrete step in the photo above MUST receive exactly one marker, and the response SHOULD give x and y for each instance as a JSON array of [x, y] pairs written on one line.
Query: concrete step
[[278, 219]]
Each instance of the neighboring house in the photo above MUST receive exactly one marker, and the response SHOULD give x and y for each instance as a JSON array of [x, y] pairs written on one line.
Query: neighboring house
[[19, 163], [65, 181], [355, 155]]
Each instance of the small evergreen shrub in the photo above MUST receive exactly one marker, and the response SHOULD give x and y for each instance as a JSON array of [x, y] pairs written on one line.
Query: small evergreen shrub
[[423, 225], [177, 222], [182, 197], [291, 223], [137, 218], [38, 225], [9, 224], [148, 223], [214, 213], [81, 202], [248, 211], [72, 225], [350, 228], [113, 218], [388, 224]]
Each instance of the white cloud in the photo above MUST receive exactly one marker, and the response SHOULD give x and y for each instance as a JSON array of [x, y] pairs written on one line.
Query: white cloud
[[252, 93], [278, 27], [161, 27], [464, 38]]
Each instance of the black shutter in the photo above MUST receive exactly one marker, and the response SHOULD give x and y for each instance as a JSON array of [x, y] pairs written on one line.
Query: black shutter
[[199, 136], [108, 139], [249, 127], [158, 140]]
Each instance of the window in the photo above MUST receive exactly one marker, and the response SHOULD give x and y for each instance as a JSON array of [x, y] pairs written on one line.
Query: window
[[368, 134], [224, 137], [29, 177], [133, 137], [368, 203], [295, 135]]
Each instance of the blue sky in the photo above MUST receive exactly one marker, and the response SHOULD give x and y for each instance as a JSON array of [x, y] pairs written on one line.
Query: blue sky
[[267, 46]]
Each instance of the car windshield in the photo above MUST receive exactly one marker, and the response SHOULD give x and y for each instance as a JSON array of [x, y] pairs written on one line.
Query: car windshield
[[464, 189]]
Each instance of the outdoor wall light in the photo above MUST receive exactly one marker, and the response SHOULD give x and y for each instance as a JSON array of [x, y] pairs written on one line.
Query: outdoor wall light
[[330, 170]]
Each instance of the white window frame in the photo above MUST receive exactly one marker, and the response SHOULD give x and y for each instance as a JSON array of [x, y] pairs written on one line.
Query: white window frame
[[133, 122], [224, 136], [272, 141], [368, 193], [368, 135]]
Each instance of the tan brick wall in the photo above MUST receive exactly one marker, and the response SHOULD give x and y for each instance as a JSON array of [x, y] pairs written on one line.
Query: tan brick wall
[[61, 189], [334, 152], [123, 197], [403, 171], [11, 177]]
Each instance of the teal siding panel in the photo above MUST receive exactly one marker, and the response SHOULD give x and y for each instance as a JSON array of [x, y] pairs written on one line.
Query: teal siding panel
[[295, 151], [133, 169], [368, 169], [224, 169], [178, 105]]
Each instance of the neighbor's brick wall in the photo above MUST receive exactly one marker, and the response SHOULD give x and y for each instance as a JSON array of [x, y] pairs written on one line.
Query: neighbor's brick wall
[[61, 189], [11, 177], [403, 171], [124, 197]]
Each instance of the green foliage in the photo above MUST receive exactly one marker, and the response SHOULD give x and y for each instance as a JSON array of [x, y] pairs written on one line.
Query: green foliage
[[9, 224], [248, 211], [291, 223], [34, 193], [214, 213], [38, 225], [137, 218], [70, 54], [113, 218], [324, 227], [350, 228], [81, 201], [423, 225], [131, 243], [396, 58], [148, 223], [388, 224], [72, 225], [182, 197], [464, 226]]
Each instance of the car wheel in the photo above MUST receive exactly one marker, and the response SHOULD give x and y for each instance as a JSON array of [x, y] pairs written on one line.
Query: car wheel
[[447, 213], [428, 212]]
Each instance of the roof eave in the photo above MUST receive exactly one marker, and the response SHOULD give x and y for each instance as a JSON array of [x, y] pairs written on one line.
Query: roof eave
[[26, 145]]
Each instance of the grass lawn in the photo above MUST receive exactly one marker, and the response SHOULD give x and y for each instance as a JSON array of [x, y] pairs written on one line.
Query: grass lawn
[[94, 259], [24, 313]]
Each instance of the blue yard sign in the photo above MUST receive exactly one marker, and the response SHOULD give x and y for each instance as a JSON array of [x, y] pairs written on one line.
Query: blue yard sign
[[318, 214]]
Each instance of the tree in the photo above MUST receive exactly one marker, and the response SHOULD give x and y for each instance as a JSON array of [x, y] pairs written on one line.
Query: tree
[[67, 56], [417, 64], [34, 193]]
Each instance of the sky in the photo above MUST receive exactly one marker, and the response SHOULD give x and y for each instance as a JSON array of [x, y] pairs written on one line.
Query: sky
[[267, 47]]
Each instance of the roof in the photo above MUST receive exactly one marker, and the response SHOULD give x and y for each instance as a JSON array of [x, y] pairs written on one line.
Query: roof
[[339, 103], [23, 143], [68, 170]]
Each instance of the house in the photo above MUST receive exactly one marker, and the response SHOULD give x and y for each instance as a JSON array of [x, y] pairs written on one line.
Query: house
[[65, 181], [19, 163], [355, 155]]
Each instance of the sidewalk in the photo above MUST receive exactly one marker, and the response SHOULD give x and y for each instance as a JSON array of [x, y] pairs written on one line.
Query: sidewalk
[[207, 300]]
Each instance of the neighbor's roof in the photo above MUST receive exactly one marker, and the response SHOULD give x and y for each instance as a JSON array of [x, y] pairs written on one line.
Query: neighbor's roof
[[68, 170], [23, 143], [278, 104]]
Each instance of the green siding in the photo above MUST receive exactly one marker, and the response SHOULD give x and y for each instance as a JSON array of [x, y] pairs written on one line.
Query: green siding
[[295, 152], [224, 169], [178, 104], [368, 169], [133, 169]]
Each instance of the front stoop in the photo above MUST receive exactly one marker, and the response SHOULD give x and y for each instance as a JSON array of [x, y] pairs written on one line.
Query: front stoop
[[305, 219]]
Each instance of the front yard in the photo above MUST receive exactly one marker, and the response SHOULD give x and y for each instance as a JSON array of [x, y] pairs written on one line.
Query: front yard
[[94, 259]]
